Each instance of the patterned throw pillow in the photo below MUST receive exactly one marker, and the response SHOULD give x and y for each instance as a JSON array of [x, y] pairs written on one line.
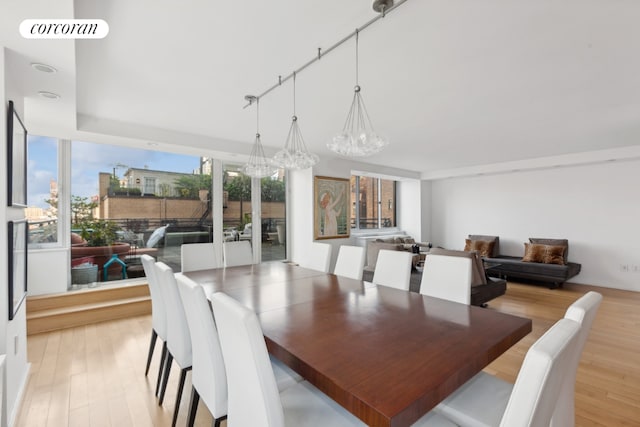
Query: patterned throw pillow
[[547, 254], [484, 248]]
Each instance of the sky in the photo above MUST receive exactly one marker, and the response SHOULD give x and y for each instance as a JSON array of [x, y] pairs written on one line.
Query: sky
[[87, 161]]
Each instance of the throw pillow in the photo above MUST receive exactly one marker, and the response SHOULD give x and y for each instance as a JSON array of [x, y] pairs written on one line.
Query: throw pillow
[[547, 254], [553, 242], [484, 248], [533, 252], [554, 254]]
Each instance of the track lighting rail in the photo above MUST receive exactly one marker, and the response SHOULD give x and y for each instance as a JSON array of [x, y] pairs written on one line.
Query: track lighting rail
[[322, 53]]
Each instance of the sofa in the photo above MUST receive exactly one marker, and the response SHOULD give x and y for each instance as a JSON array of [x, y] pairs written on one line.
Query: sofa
[[394, 243], [545, 260], [483, 288]]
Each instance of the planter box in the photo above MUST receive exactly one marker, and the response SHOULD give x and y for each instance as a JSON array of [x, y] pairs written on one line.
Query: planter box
[[84, 274]]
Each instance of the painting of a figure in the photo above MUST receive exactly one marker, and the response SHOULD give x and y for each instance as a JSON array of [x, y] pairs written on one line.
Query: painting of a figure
[[331, 202]]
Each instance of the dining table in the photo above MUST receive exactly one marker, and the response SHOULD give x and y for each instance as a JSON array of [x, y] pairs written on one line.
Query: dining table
[[386, 355]]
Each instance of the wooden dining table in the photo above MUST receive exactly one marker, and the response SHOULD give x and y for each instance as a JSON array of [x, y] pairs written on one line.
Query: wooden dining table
[[386, 355]]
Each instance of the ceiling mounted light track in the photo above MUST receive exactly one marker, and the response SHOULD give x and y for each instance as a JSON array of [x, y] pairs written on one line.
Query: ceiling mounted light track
[[360, 140], [381, 6], [323, 52]]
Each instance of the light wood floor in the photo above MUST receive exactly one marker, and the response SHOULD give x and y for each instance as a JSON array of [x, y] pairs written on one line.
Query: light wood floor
[[94, 375]]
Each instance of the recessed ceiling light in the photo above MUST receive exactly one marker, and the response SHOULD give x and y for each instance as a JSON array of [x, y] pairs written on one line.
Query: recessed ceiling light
[[48, 95], [43, 67]]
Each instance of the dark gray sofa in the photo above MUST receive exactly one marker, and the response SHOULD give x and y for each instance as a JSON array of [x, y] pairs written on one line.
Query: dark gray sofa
[[513, 268]]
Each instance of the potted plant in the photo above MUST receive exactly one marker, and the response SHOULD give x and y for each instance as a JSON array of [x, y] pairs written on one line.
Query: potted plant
[[99, 232], [99, 242]]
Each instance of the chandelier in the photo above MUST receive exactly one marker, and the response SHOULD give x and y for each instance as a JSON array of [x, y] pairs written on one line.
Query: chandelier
[[258, 165], [358, 138], [295, 155]]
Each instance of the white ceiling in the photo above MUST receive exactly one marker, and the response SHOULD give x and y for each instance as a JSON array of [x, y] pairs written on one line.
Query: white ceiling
[[455, 85]]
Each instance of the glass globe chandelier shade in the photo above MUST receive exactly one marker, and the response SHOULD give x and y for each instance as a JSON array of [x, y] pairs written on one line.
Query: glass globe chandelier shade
[[258, 166], [358, 138], [295, 155]]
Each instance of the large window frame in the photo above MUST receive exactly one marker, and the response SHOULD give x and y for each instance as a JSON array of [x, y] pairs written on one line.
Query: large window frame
[[64, 199], [62, 179], [381, 223]]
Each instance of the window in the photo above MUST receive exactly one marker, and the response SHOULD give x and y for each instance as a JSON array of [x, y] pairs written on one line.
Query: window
[[273, 200], [42, 186], [373, 202], [149, 186], [152, 201], [238, 222]]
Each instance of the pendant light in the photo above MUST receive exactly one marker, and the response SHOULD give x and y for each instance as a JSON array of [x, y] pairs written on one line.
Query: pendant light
[[258, 165], [295, 155], [358, 138]]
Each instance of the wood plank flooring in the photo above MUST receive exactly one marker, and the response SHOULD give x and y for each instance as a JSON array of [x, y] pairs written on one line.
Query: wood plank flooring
[[94, 375]]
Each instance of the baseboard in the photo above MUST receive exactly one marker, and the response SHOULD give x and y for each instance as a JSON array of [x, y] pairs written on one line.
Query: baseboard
[[17, 405]]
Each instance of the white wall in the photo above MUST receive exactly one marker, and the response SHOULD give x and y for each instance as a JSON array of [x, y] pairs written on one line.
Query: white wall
[[595, 206], [426, 214], [13, 334], [49, 271], [408, 197]]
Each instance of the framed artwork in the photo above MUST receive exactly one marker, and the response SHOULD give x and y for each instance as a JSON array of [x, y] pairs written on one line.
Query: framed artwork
[[17, 280], [16, 159], [331, 208]]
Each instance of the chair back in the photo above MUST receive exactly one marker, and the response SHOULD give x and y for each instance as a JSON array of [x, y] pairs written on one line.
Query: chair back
[[208, 374], [158, 310], [237, 253], [393, 269], [250, 378], [584, 312], [319, 257], [537, 388], [198, 256], [350, 262], [478, 274], [178, 337], [447, 277]]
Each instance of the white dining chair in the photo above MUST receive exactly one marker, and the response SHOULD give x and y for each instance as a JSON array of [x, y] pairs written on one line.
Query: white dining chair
[[237, 253], [447, 277], [584, 312], [198, 256], [393, 269], [350, 262], [318, 258], [158, 316], [178, 336], [251, 382], [208, 376], [530, 402]]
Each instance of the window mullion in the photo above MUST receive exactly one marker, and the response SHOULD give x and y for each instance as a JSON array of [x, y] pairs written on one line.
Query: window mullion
[[357, 201]]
